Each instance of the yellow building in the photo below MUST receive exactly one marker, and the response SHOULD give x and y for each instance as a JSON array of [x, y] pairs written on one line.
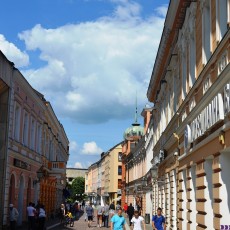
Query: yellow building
[[190, 86], [103, 179]]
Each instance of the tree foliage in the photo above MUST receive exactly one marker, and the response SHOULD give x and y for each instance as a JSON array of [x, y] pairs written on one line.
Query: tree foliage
[[78, 187]]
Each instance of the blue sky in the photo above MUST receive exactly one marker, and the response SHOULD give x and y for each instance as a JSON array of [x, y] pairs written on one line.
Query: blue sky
[[89, 58]]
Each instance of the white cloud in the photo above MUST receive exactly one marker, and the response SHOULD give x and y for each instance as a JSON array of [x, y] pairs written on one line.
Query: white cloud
[[162, 10], [78, 165], [94, 68], [14, 54], [91, 148]]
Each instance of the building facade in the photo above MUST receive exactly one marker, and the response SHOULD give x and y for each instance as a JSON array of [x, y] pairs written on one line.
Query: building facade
[[6, 72], [189, 87], [35, 148]]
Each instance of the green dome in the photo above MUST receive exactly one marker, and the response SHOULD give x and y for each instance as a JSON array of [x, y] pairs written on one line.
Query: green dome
[[134, 131]]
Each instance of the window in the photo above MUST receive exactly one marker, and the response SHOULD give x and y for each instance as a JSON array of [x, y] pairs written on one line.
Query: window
[[119, 170], [119, 156], [206, 32], [32, 134], [17, 116], [221, 18], [184, 69], [25, 128], [39, 138], [223, 61], [206, 85], [192, 104], [119, 184]]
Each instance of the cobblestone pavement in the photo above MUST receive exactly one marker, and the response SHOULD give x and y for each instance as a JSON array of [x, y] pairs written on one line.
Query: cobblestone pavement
[[81, 224]]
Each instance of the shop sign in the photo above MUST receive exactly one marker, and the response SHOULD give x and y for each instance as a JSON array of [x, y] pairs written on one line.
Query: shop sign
[[210, 116], [119, 191], [22, 164]]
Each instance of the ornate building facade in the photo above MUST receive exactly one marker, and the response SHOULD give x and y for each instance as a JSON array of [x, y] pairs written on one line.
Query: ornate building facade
[[6, 72], [190, 87], [36, 149]]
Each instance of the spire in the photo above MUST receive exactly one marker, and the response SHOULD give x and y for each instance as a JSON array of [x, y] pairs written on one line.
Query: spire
[[135, 117]]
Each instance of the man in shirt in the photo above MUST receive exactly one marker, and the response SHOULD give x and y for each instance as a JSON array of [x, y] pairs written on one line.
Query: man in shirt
[[118, 221], [137, 221], [31, 216], [13, 215], [106, 215], [100, 211], [89, 211], [130, 212], [158, 221]]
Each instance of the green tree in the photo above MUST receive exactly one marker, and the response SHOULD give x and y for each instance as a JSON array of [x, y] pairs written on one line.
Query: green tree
[[78, 188]]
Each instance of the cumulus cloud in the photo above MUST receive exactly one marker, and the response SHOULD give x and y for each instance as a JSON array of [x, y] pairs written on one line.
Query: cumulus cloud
[[14, 54], [93, 69], [78, 165], [91, 148]]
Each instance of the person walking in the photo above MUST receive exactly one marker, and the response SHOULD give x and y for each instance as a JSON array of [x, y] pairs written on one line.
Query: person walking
[[106, 215], [111, 210], [138, 221], [31, 212], [130, 212], [62, 213], [90, 212], [118, 221], [100, 211], [13, 216], [125, 208], [158, 221], [41, 218]]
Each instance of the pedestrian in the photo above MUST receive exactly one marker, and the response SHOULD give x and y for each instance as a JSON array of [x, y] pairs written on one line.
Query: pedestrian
[[13, 216], [41, 217], [83, 205], [90, 213], [100, 211], [125, 208], [111, 209], [118, 221], [62, 213], [106, 215], [130, 212], [158, 221], [118, 206], [31, 213], [85, 212], [137, 221]]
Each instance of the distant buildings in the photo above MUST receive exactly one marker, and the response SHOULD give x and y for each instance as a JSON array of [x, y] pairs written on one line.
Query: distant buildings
[[34, 146], [103, 181], [72, 173]]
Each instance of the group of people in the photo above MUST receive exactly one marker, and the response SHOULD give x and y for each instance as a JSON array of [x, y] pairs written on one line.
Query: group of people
[[36, 216]]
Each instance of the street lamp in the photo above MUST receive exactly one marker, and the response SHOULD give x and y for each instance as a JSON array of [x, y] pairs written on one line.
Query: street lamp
[[143, 181], [154, 172], [40, 175]]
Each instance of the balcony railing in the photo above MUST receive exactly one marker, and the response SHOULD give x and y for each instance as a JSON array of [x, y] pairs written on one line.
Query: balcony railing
[[56, 165]]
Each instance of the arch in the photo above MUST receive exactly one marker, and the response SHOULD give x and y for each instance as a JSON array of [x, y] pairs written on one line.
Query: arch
[[21, 198]]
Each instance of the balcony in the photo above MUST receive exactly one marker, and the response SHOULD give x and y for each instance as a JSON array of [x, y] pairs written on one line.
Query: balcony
[[57, 166]]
